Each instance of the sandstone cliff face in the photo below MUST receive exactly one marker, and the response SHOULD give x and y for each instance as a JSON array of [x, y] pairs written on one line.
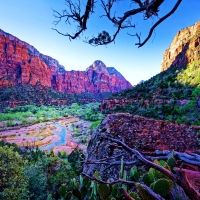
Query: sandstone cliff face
[[96, 79], [22, 63], [184, 48]]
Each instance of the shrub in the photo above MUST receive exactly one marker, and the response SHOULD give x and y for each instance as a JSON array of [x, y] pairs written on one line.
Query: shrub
[[24, 121], [9, 123], [94, 124]]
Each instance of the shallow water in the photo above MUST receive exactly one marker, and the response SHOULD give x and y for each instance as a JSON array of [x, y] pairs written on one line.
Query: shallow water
[[63, 137]]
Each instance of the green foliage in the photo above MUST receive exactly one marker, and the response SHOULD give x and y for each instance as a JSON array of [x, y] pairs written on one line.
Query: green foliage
[[147, 179], [173, 95], [37, 182], [75, 159], [24, 121], [62, 154], [134, 195], [9, 123], [94, 124], [158, 182], [104, 191], [115, 191], [13, 182], [32, 174], [162, 186], [134, 174], [171, 162], [29, 114], [144, 193]]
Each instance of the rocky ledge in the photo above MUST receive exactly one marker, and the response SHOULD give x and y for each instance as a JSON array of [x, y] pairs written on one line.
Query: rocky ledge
[[145, 135]]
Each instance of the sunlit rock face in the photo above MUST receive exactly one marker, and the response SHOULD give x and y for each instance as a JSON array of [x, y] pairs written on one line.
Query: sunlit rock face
[[22, 63], [96, 79], [184, 48]]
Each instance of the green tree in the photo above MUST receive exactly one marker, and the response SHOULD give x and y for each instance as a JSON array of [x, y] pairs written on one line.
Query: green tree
[[13, 182], [37, 182]]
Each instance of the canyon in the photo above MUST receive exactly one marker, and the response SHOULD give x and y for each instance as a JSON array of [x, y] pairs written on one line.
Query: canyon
[[153, 138], [22, 63], [179, 73]]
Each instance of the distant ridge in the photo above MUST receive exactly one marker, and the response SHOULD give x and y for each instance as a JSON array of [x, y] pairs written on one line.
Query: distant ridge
[[20, 62]]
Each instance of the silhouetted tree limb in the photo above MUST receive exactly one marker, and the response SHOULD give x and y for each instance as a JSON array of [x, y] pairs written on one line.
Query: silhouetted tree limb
[[73, 14]]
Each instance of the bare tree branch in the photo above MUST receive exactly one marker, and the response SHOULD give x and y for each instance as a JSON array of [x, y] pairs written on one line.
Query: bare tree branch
[[125, 193], [73, 13], [159, 22], [122, 190], [180, 178], [110, 182], [151, 192]]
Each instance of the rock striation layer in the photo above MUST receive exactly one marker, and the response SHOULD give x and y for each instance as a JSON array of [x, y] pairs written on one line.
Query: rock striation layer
[[146, 135], [22, 63], [184, 48]]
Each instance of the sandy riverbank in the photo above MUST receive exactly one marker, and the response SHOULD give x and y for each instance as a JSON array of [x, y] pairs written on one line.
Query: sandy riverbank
[[43, 134]]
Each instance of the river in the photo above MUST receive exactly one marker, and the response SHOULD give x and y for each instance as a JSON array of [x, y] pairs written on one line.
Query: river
[[63, 137]]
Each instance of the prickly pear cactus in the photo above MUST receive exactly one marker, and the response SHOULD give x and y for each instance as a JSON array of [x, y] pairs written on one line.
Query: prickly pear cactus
[[68, 196], [146, 179], [134, 195], [151, 174], [62, 191], [144, 193], [162, 186], [115, 191], [104, 191], [134, 174], [171, 162]]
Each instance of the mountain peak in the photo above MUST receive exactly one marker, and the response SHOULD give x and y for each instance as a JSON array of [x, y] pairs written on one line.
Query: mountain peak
[[28, 66], [98, 66]]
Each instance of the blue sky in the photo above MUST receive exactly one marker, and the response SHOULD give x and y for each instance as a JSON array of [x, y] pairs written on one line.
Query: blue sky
[[31, 21]]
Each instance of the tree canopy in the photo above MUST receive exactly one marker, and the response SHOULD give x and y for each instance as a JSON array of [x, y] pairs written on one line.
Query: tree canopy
[[79, 12], [13, 181]]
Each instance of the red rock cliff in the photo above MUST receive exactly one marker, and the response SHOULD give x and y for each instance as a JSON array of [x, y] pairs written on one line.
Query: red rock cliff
[[184, 49], [22, 63], [146, 135]]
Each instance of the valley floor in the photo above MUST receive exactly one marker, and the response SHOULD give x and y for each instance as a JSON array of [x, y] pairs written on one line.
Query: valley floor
[[59, 135]]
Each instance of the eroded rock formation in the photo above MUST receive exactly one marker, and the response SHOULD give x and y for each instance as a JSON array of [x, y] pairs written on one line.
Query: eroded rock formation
[[108, 104], [22, 63], [143, 134], [184, 49]]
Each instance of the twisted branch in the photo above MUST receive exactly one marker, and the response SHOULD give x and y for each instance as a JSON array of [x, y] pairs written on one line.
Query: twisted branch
[[73, 12]]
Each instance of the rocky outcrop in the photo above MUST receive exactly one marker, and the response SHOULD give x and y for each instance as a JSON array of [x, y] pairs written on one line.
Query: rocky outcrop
[[109, 104], [146, 135], [22, 63], [184, 49]]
